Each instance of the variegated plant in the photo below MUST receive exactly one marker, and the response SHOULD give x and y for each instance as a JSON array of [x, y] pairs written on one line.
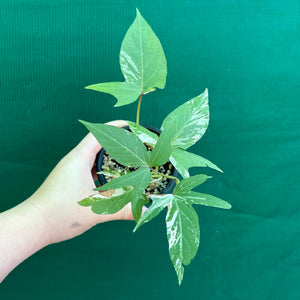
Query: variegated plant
[[144, 67]]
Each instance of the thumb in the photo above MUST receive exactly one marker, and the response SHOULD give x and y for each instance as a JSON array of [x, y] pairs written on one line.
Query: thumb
[[125, 213], [89, 146]]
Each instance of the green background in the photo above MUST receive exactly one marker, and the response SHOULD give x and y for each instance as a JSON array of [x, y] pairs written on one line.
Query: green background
[[247, 53]]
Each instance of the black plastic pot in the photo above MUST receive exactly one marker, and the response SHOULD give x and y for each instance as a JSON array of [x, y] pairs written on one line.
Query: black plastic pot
[[100, 155]]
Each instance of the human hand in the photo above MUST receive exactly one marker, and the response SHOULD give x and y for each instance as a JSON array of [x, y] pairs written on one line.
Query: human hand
[[70, 181], [52, 213]]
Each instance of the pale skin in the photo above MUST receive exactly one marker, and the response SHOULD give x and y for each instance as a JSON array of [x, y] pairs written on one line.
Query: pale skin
[[52, 214]]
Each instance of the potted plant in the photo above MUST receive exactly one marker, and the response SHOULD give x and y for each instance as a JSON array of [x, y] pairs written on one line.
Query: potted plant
[[137, 160]]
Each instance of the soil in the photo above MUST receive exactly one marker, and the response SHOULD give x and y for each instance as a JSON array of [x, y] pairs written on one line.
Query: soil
[[156, 187]]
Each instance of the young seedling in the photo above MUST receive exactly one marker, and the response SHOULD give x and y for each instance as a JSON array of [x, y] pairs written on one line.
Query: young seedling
[[144, 67]]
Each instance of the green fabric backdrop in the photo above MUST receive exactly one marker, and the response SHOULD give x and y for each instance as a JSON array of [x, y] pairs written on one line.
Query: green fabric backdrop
[[247, 53]]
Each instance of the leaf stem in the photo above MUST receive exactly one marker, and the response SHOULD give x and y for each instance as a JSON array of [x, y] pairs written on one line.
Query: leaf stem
[[138, 110], [156, 174]]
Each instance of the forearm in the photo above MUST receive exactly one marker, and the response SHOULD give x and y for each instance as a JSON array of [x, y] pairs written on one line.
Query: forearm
[[52, 214], [22, 233]]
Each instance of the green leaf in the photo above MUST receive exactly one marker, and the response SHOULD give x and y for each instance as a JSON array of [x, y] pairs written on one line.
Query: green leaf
[[145, 135], [122, 145], [137, 206], [183, 160], [204, 199], [183, 230], [189, 121], [111, 205], [183, 234], [110, 173], [162, 149], [86, 202], [143, 64], [158, 204], [183, 191], [139, 180], [185, 185], [181, 128], [125, 92], [149, 157], [101, 204], [142, 58]]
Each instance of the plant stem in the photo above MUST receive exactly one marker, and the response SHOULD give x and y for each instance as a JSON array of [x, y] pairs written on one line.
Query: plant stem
[[158, 174], [138, 110]]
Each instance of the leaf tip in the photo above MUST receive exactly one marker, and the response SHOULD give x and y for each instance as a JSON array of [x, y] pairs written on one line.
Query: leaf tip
[[138, 13], [88, 87], [216, 168], [85, 202], [84, 123], [81, 121], [180, 275], [117, 104], [135, 228], [130, 123]]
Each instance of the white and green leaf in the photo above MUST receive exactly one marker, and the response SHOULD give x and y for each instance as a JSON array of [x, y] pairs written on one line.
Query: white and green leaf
[[187, 184], [183, 160], [157, 205], [142, 58], [125, 92], [143, 64], [183, 230], [204, 199], [145, 135], [184, 191], [183, 234], [139, 180], [107, 205], [189, 121], [122, 145]]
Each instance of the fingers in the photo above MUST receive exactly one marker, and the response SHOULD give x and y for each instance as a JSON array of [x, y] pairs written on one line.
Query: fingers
[[118, 123], [90, 146], [124, 214], [90, 142]]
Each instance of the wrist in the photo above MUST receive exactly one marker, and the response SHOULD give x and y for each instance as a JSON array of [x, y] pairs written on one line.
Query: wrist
[[34, 220], [22, 233]]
